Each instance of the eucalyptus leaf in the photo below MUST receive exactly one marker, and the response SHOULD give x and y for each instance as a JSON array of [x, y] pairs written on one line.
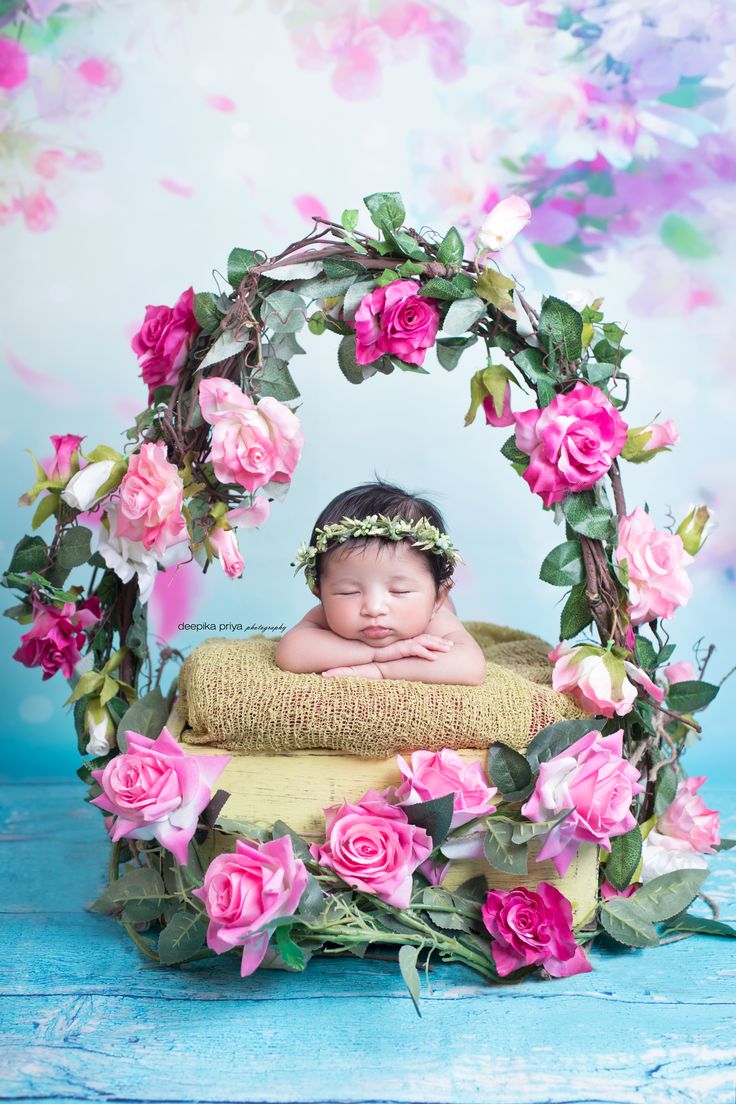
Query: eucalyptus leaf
[[283, 312], [408, 966]]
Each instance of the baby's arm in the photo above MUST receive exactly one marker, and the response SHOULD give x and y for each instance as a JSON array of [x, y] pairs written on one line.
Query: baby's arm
[[310, 647], [462, 665]]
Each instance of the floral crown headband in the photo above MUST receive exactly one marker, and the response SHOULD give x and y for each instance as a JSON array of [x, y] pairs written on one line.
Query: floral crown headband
[[427, 538]]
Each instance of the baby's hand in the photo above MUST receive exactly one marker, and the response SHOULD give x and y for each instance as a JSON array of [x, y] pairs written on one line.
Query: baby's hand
[[425, 646], [362, 670]]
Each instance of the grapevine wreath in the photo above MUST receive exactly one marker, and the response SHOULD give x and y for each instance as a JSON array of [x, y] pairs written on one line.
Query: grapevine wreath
[[218, 371]]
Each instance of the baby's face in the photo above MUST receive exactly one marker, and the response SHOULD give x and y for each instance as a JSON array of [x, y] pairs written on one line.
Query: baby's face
[[379, 594]]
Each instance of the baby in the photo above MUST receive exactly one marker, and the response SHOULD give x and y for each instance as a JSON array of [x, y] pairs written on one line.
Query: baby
[[383, 610]]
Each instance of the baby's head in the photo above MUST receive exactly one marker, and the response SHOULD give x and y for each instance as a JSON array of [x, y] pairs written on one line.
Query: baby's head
[[373, 587]]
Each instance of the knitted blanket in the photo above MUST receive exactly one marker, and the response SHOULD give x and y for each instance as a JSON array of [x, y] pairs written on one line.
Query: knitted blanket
[[233, 696]]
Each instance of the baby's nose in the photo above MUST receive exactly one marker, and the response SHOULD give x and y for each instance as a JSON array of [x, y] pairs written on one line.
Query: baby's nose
[[373, 604]]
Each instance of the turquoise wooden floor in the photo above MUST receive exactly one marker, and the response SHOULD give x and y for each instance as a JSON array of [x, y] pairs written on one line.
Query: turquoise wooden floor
[[84, 1018]]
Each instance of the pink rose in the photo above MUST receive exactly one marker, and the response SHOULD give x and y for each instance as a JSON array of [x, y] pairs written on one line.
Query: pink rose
[[506, 417], [592, 778], [151, 495], [600, 681], [372, 846], [572, 442], [57, 635], [225, 545], [644, 442], [244, 891], [680, 672], [250, 517], [155, 790], [13, 64], [436, 773], [164, 340], [655, 565], [395, 320], [66, 456], [503, 223], [533, 929], [251, 444], [689, 818]]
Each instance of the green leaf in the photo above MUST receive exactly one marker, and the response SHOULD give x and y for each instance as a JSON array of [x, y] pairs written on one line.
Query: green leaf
[[691, 694], [386, 209], [473, 889], [22, 613], [665, 789], [451, 249], [598, 373], [433, 898], [283, 312], [337, 268], [408, 966], [300, 848], [276, 380], [223, 348], [239, 264], [624, 858], [440, 288], [292, 955], [725, 844], [500, 850], [576, 614], [529, 361], [685, 921], [626, 925], [434, 816], [509, 769], [141, 886], [557, 737], [563, 566], [514, 454], [206, 312], [684, 239], [525, 830], [462, 315], [147, 716], [350, 219], [322, 288], [29, 554], [74, 547], [137, 636], [46, 508], [646, 656], [561, 328], [450, 349], [585, 516], [606, 353], [352, 371], [316, 323], [668, 894], [182, 937], [403, 242]]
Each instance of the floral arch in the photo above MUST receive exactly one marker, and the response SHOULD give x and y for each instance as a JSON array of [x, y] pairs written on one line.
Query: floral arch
[[216, 445]]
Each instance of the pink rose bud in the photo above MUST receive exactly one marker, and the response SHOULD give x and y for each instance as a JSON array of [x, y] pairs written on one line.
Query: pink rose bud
[[225, 546], [680, 672], [247, 890], [90, 485], [66, 457], [397, 321], [571, 443], [502, 417], [689, 818], [653, 565], [372, 846], [251, 444], [503, 223], [600, 681], [531, 928], [695, 529], [644, 442], [595, 781], [157, 791]]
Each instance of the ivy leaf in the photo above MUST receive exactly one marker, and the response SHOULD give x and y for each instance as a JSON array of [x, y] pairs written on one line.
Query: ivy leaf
[[434, 816], [576, 613], [563, 566], [509, 770], [561, 328], [691, 694], [624, 858], [451, 249], [408, 966], [500, 850], [496, 289]]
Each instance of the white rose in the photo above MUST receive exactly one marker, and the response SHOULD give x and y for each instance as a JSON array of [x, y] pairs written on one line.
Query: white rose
[[83, 489], [101, 731], [128, 557], [662, 854], [503, 223]]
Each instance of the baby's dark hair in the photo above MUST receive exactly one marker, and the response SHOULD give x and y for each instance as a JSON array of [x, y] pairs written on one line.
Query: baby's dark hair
[[393, 502]]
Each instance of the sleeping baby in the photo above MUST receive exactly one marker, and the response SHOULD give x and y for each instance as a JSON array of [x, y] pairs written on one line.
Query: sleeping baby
[[381, 566]]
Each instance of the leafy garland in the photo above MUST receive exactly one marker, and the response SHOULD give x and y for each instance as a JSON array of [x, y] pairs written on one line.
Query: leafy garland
[[218, 367]]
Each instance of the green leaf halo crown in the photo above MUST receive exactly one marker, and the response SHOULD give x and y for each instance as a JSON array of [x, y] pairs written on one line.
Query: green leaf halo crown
[[427, 538]]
